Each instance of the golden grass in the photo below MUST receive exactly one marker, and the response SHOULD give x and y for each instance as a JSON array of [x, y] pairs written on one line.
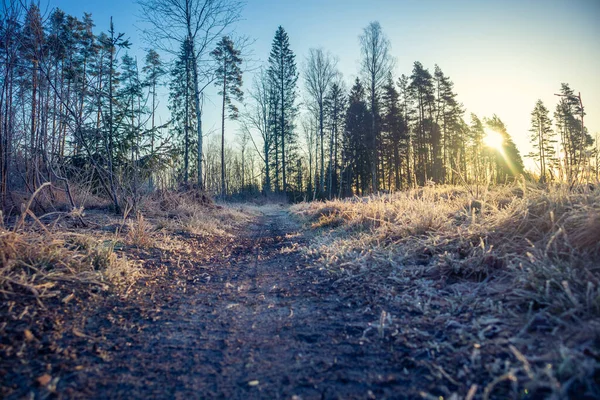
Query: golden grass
[[517, 256], [37, 262], [139, 231], [37, 257], [534, 235], [192, 213]]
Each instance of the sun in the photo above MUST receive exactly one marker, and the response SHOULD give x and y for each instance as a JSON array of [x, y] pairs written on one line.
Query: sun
[[493, 139]]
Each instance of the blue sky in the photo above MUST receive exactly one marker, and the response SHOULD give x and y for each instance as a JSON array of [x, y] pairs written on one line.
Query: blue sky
[[501, 55]]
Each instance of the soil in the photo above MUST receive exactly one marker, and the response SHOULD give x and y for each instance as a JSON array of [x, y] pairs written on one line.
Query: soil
[[243, 317]]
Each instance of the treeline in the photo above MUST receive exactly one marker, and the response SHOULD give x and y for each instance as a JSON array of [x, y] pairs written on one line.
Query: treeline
[[388, 133], [77, 108]]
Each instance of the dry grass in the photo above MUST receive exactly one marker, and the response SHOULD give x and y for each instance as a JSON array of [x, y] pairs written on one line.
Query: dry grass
[[524, 260], [193, 213], [139, 231], [36, 263], [38, 256]]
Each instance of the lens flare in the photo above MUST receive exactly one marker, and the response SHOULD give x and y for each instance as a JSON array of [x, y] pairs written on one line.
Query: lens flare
[[493, 139]]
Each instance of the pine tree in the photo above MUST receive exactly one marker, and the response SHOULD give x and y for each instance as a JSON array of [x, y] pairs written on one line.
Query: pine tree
[[154, 72], [114, 41], [542, 139], [132, 111], [284, 76], [334, 110], [128, 97], [32, 41], [394, 128], [426, 140], [574, 138], [182, 107], [408, 113], [449, 119], [357, 154], [229, 81], [196, 25], [509, 164]]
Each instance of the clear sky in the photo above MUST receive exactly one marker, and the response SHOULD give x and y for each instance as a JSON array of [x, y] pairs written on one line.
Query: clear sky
[[501, 55]]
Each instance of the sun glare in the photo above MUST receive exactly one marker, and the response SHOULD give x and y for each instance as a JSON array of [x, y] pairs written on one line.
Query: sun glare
[[493, 139]]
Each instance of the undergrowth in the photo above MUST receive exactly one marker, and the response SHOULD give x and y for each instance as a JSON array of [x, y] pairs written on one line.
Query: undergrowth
[[40, 254]]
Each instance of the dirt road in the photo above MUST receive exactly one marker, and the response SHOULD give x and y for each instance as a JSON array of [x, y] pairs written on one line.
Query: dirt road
[[259, 321]]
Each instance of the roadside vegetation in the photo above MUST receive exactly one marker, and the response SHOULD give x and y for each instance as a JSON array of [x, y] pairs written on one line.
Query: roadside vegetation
[[62, 271], [41, 253], [492, 291]]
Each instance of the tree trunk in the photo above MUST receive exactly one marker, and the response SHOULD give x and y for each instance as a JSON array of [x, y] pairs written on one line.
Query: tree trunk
[[30, 164], [111, 172], [186, 122], [283, 129], [322, 135], [223, 135], [198, 110]]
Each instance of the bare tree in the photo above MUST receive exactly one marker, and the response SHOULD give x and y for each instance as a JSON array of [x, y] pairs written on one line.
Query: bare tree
[[319, 73], [229, 81], [376, 63], [308, 128], [256, 118], [201, 23]]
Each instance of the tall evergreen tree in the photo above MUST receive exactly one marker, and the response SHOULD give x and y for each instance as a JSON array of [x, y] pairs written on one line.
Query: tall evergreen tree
[[334, 110], [407, 112], [113, 42], [32, 42], [426, 138], [182, 107], [229, 81], [284, 76], [129, 95], [197, 25], [542, 140], [357, 155], [573, 136], [154, 71], [394, 130], [448, 117]]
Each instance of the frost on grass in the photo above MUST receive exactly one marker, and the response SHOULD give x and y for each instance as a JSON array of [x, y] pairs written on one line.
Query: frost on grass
[[44, 257], [501, 290]]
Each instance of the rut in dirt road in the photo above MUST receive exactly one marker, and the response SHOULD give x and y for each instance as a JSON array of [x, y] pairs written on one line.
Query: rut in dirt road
[[262, 323]]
